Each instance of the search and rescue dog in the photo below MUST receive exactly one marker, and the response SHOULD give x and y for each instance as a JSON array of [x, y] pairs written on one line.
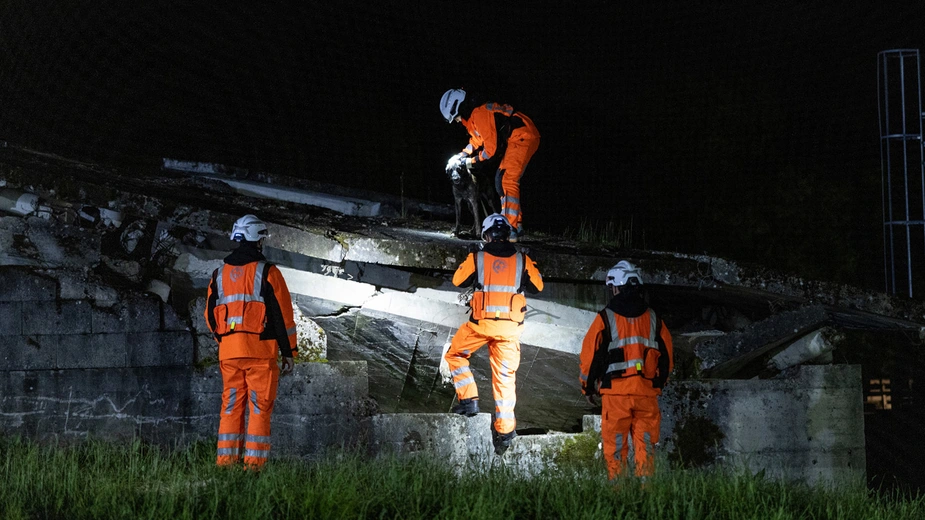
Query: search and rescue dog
[[476, 190]]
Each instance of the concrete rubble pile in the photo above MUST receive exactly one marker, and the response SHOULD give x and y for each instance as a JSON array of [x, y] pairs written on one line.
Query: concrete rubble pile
[[92, 256]]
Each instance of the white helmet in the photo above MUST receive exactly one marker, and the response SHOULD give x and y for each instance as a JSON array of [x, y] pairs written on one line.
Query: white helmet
[[449, 103], [249, 228], [622, 274], [496, 226]]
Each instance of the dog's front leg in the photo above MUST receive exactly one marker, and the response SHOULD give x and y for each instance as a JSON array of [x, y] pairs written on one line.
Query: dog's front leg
[[458, 202]]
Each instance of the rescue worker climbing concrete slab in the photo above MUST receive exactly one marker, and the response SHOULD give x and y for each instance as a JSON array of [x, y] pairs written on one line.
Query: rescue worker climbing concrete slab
[[625, 358], [494, 130], [499, 274], [249, 311]]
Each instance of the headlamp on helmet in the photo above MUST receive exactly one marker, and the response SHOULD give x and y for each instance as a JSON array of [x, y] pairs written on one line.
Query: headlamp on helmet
[[249, 228]]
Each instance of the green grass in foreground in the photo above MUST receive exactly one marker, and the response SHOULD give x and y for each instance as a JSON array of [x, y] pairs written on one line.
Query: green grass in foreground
[[101, 480]]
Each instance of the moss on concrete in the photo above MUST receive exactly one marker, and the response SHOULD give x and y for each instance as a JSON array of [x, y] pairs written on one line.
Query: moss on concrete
[[696, 440], [580, 452]]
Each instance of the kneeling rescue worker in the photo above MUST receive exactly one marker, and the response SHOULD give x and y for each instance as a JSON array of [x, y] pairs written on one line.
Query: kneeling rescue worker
[[626, 357], [500, 274], [249, 311], [495, 130]]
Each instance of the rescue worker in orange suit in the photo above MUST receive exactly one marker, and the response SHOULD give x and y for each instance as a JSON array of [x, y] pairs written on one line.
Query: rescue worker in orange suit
[[495, 130], [500, 274], [625, 358], [249, 311]]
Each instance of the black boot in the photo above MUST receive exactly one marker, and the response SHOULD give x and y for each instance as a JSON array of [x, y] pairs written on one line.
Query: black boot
[[503, 441], [467, 407]]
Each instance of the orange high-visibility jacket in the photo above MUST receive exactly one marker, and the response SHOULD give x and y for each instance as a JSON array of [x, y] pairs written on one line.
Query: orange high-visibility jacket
[[626, 355], [491, 125], [501, 281], [249, 311]]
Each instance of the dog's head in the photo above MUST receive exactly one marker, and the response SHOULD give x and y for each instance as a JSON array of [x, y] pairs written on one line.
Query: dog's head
[[458, 175]]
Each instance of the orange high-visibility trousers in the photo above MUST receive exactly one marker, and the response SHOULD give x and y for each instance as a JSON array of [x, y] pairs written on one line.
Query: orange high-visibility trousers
[[503, 340], [623, 416], [247, 381], [520, 148]]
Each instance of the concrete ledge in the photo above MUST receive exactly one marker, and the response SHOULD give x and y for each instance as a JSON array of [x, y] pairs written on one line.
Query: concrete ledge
[[463, 442], [811, 425], [322, 405]]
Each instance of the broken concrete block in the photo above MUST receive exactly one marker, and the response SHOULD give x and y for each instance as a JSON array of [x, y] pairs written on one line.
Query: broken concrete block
[[87, 350], [81, 284], [160, 349], [463, 443], [807, 348], [807, 427], [18, 284], [61, 317], [24, 353], [10, 318], [133, 314], [727, 355]]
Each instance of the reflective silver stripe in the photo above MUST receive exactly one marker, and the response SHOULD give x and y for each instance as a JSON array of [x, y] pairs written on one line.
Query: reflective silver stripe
[[508, 211], [254, 402], [460, 371], [220, 293], [235, 319], [619, 451], [518, 279], [497, 308], [624, 365], [505, 372], [504, 415], [258, 279], [635, 339], [232, 397], [239, 298], [263, 439], [291, 331], [257, 454], [583, 377], [230, 436], [653, 328], [500, 288], [480, 267], [229, 451], [515, 200], [505, 402], [464, 382], [647, 440]]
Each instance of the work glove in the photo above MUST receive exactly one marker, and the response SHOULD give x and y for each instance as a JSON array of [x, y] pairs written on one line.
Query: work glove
[[286, 366]]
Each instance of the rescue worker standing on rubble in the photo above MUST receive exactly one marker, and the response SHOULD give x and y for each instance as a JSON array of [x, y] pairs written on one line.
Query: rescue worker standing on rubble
[[249, 311], [499, 274], [495, 130], [625, 358]]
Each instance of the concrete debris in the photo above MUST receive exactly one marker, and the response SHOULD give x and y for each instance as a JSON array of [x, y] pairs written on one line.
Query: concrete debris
[[725, 356]]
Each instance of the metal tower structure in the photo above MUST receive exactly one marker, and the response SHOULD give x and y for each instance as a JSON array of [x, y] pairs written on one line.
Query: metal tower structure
[[902, 169]]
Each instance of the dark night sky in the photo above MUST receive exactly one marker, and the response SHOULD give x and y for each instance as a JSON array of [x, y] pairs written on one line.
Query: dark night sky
[[740, 130]]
